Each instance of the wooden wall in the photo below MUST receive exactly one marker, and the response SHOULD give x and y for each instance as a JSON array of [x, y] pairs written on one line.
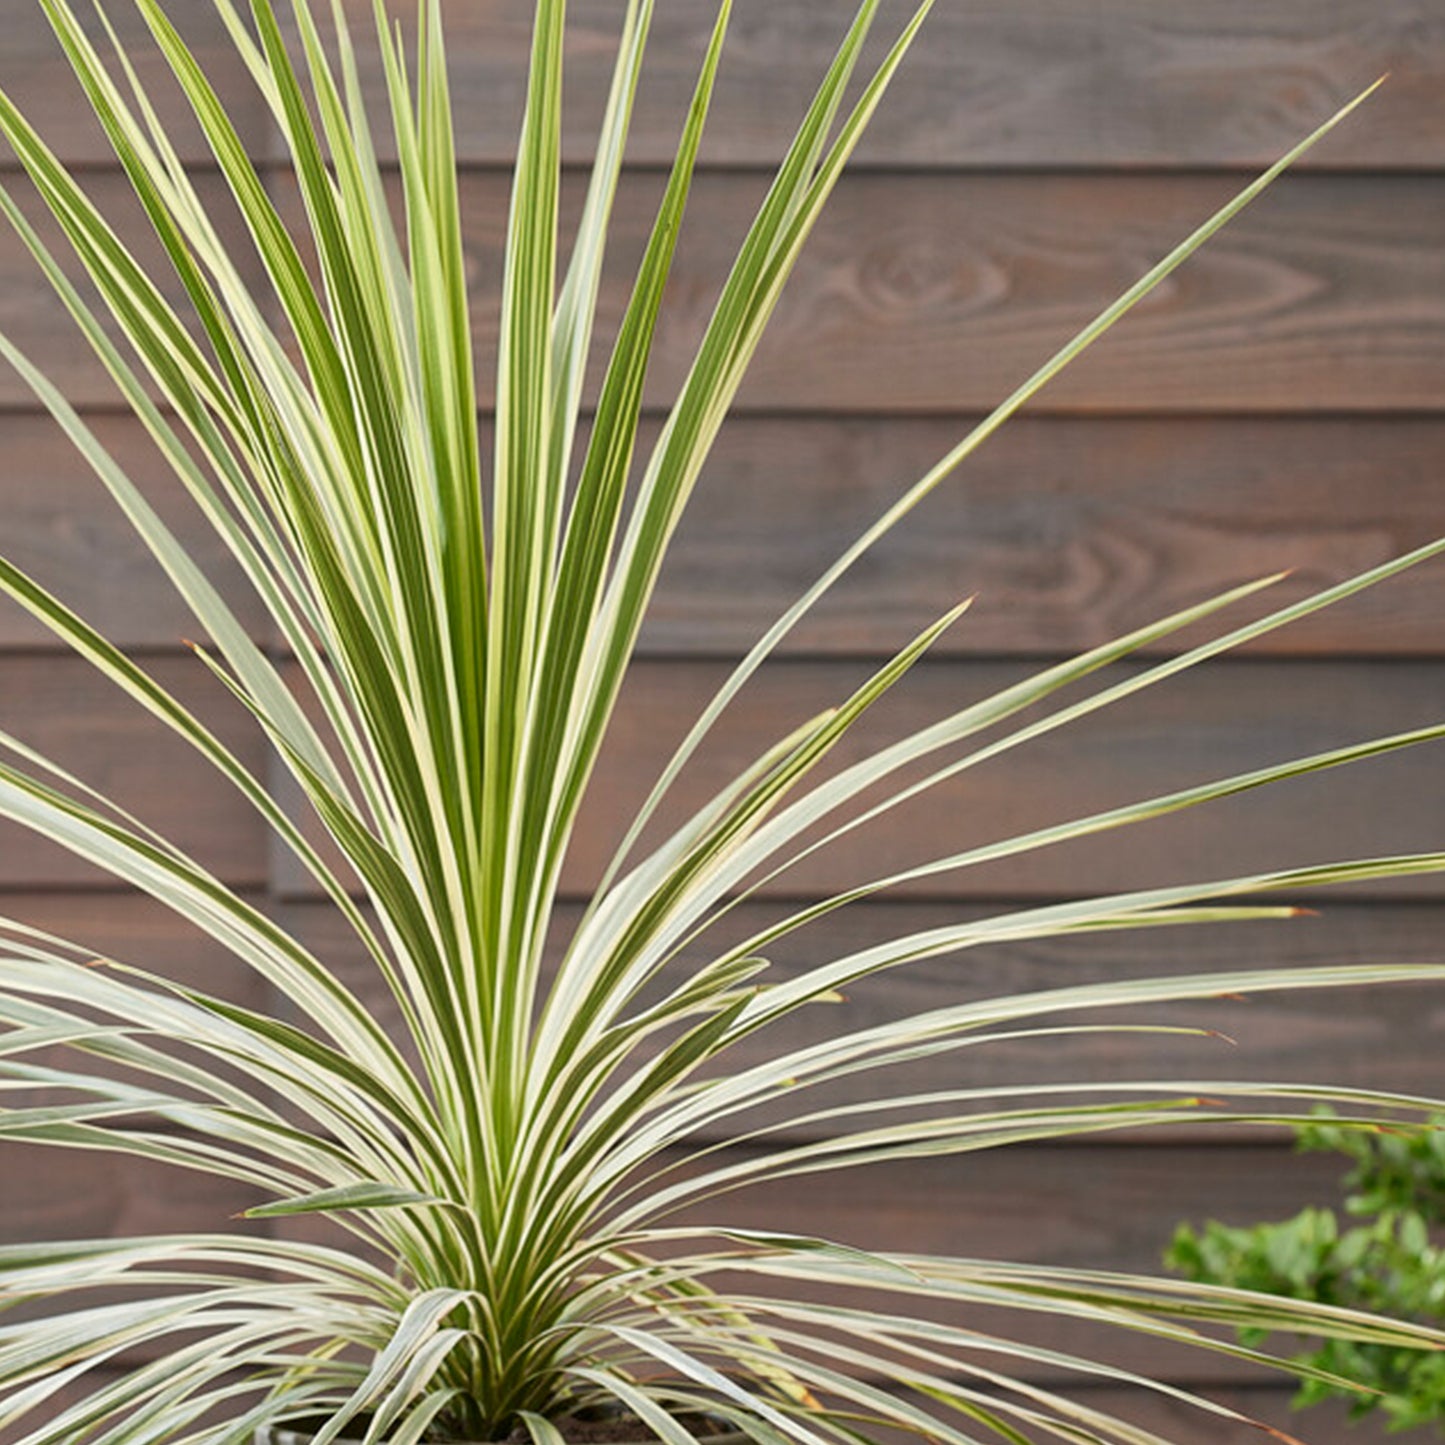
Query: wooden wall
[[1280, 403]]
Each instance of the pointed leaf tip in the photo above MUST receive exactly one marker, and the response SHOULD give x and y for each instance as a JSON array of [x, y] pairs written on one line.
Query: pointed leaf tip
[[1222, 1037], [1276, 1432]]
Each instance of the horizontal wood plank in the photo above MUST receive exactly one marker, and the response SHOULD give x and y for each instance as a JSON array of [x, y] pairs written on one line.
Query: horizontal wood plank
[[1216, 722], [1088, 1206], [1094, 1206], [1039, 82], [1068, 531], [1178, 1423], [1221, 721], [56, 1193], [933, 285], [62, 527], [991, 1205], [1383, 1038], [1169, 1417], [1380, 1038], [921, 293], [1091, 1206], [75, 1392], [71, 1393], [132, 930], [37, 323], [80, 720], [36, 76]]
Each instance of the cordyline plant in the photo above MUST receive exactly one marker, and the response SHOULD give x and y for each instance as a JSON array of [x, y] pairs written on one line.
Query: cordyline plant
[[515, 1175]]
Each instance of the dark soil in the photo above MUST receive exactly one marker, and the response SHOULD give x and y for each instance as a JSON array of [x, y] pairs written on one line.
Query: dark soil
[[608, 1429], [617, 1430]]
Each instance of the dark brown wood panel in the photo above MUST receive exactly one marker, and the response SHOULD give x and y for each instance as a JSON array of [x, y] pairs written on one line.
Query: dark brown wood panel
[[36, 76], [1327, 1424], [63, 707], [70, 1394], [1094, 1207], [1380, 1038], [926, 293], [132, 930], [1091, 1206], [1176, 1421], [1127, 82], [74, 1392], [1383, 1038], [1216, 722], [1156, 1411], [35, 321], [1068, 531], [49, 1193], [1195, 448], [54, 1193], [63, 529]]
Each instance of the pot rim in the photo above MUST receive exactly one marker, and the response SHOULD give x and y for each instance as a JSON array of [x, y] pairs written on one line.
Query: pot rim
[[282, 1435]]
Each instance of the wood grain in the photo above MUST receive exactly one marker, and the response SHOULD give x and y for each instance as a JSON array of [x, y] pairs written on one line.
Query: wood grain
[[1214, 723], [925, 293], [54, 1193], [1039, 82], [36, 76], [67, 1395], [74, 1392], [57, 1194], [63, 529], [1067, 531], [1098, 1206], [71, 713], [1226, 719], [1033, 160], [33, 319], [1326, 1425], [1380, 1038], [132, 930], [1094, 1206]]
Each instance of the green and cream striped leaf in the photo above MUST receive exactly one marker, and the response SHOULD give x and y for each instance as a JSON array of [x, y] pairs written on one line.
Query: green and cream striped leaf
[[460, 643]]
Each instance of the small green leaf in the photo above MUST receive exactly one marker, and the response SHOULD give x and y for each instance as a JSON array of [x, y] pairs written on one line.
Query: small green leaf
[[347, 1196]]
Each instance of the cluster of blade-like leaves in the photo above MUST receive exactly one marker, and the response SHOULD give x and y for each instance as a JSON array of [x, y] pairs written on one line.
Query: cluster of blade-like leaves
[[513, 1166]]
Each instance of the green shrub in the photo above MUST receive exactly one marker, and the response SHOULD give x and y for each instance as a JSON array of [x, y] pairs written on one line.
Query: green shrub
[[1389, 1263]]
